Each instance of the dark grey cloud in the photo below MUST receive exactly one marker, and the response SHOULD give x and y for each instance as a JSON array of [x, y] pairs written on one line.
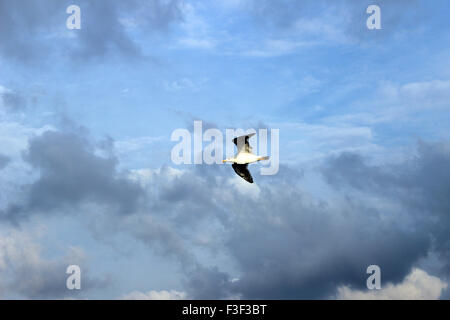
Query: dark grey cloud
[[14, 101], [74, 175], [160, 236], [208, 283], [71, 173], [421, 185], [308, 252], [289, 245], [445, 294], [36, 30], [19, 25], [284, 242], [4, 160], [284, 247]]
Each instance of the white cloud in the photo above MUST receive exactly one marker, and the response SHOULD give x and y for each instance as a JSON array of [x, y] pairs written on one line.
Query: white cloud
[[156, 295], [418, 285], [417, 95], [318, 140], [135, 144], [276, 47], [328, 27], [185, 84], [146, 177], [194, 43], [243, 187]]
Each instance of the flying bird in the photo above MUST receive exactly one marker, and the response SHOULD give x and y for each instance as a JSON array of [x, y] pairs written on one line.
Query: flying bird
[[243, 157]]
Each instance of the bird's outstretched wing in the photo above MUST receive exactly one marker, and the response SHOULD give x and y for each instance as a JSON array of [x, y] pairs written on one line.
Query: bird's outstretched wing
[[242, 143], [242, 171]]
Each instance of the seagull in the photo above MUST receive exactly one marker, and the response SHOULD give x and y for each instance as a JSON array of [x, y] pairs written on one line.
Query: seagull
[[243, 157]]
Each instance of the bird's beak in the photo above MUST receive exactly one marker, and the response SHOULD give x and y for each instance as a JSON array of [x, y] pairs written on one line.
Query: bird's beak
[[223, 161]]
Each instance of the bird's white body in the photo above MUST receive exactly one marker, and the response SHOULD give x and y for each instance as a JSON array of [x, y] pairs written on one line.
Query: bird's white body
[[244, 158]]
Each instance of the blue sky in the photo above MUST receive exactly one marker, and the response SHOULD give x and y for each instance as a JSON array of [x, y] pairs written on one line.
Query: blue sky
[[86, 176]]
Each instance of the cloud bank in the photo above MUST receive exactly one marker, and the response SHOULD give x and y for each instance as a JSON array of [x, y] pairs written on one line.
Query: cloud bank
[[286, 245]]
